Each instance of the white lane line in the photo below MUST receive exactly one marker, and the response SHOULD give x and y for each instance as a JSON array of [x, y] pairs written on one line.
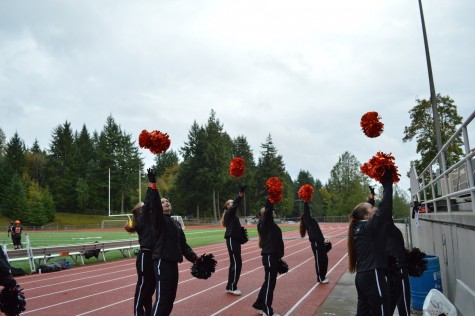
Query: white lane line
[[312, 289]]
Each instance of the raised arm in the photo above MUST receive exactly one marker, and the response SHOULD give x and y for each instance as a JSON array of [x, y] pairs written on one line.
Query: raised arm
[[236, 202], [154, 199], [385, 209]]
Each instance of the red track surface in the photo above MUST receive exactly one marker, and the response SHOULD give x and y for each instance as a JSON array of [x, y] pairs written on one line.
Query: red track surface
[[108, 288]]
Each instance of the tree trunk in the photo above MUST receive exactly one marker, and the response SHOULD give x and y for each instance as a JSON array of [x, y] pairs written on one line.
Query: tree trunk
[[214, 205]]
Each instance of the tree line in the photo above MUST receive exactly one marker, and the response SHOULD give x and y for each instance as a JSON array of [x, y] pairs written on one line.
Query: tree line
[[80, 172]]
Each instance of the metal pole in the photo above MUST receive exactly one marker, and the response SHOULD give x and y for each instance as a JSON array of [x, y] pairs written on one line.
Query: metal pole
[[433, 97]]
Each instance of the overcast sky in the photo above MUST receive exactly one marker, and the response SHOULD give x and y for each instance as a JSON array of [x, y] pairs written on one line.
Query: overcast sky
[[302, 71]]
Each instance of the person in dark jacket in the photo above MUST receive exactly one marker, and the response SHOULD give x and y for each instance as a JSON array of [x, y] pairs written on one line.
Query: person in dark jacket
[[6, 277], [142, 225], [398, 276], [272, 244], [367, 239], [16, 235], [234, 236], [169, 248], [11, 229], [12, 299], [309, 224]]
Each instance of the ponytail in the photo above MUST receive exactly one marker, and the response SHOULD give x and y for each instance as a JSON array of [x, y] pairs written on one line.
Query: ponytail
[[130, 226], [303, 228], [358, 214]]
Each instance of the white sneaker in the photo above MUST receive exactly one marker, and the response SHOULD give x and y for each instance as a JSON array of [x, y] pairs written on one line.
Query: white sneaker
[[325, 281], [275, 314], [235, 292], [259, 311]]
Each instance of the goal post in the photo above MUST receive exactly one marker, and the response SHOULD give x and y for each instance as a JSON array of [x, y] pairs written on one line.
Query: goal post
[[113, 223], [120, 223]]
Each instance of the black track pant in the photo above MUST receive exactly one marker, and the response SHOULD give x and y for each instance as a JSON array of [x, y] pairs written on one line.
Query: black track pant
[[235, 265], [145, 284], [321, 260], [373, 293], [400, 290], [166, 273], [266, 294]]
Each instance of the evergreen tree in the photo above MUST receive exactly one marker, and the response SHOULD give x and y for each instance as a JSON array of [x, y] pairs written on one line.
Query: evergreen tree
[[270, 164], [13, 163], [304, 177], [320, 207], [422, 128], [116, 152], [85, 145], [164, 161], [36, 163], [215, 168], [15, 201], [62, 168], [347, 185], [241, 148], [15, 159], [187, 196], [37, 215], [2, 143]]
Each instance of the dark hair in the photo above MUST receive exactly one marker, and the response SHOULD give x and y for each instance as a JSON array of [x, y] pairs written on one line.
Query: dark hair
[[358, 214], [303, 228]]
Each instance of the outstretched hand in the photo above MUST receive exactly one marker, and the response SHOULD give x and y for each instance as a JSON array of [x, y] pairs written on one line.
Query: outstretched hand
[[151, 175], [371, 189], [242, 188]]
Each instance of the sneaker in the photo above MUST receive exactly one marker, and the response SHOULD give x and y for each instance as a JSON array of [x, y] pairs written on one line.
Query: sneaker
[[275, 314], [325, 281], [258, 308], [235, 292]]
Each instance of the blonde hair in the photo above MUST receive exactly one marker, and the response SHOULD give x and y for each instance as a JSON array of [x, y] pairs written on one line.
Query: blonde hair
[[358, 214], [136, 211], [225, 209]]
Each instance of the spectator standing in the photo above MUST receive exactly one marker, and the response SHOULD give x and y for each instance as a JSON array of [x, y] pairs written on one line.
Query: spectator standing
[[16, 235]]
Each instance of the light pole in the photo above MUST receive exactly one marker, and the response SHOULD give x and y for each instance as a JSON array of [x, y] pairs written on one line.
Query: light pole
[[433, 97]]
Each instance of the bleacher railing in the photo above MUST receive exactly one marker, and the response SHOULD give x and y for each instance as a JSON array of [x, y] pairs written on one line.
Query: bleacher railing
[[437, 188]]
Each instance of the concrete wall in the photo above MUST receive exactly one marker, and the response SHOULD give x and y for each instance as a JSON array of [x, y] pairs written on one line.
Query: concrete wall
[[450, 237]]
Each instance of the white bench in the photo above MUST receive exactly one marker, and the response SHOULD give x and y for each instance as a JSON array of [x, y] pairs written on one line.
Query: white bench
[[76, 252]]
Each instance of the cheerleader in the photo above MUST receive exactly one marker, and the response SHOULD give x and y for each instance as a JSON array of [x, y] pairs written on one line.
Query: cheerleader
[[367, 236], [142, 225], [235, 236], [169, 248], [272, 244], [309, 224], [398, 276]]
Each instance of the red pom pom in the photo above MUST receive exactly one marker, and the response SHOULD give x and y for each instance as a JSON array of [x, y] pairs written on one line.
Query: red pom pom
[[237, 167], [305, 192], [371, 125], [156, 141], [274, 189], [377, 166], [144, 139]]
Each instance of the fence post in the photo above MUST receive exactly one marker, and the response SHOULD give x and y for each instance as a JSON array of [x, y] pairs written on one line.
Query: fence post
[[29, 252]]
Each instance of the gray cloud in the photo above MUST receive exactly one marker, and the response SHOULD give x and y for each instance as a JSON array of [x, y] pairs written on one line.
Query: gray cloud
[[302, 71]]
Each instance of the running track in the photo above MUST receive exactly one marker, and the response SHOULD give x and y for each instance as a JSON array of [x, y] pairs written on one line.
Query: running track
[[108, 288]]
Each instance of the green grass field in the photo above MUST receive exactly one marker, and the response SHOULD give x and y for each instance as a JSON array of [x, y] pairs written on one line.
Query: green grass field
[[195, 237]]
